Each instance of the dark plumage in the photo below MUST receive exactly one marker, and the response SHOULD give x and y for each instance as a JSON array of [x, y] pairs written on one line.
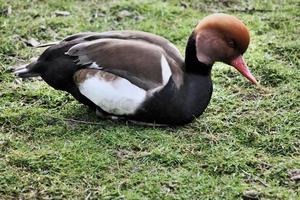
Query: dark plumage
[[140, 76]]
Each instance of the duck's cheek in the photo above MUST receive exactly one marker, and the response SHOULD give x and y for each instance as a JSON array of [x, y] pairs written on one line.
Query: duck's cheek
[[205, 50], [211, 48]]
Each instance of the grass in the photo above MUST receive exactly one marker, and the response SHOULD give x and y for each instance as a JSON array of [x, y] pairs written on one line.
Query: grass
[[248, 138]]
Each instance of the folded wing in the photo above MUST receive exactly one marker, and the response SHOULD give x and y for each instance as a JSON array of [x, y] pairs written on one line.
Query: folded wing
[[142, 58]]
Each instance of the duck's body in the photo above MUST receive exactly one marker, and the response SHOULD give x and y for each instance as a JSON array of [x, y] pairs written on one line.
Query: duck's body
[[129, 74]]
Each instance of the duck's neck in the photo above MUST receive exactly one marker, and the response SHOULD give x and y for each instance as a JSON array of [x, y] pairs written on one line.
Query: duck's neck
[[192, 64]]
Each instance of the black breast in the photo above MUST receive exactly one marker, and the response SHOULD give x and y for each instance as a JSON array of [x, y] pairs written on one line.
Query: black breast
[[176, 107]]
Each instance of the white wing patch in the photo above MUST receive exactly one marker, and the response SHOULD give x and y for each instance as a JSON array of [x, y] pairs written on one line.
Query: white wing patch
[[165, 70], [118, 96], [166, 74]]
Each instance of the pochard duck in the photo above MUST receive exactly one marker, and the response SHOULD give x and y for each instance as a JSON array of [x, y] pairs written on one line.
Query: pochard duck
[[142, 77]]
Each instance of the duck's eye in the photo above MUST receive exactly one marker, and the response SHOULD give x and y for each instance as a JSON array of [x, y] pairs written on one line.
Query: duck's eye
[[231, 44]]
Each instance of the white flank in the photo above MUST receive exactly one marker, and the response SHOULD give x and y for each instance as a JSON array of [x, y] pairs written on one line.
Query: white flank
[[119, 96], [165, 70]]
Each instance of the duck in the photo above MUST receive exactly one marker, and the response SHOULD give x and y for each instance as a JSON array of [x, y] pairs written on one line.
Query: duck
[[142, 77]]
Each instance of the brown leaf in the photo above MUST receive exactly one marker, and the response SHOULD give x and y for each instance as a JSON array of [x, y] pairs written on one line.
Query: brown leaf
[[250, 195], [8, 11], [123, 14], [295, 175], [61, 13], [296, 178]]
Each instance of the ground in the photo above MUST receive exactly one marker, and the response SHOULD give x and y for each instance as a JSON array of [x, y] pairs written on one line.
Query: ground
[[248, 140]]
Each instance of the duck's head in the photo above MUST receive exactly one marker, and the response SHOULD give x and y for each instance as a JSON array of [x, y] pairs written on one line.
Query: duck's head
[[224, 38]]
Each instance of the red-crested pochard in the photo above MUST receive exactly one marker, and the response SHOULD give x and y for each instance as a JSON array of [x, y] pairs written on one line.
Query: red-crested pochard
[[140, 76]]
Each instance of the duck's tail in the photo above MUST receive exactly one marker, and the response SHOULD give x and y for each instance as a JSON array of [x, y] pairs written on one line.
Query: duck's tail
[[27, 70]]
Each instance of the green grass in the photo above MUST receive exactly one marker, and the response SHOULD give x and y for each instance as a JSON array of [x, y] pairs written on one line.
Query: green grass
[[248, 138]]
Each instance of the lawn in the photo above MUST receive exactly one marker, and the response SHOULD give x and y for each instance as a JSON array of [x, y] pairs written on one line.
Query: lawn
[[247, 141]]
